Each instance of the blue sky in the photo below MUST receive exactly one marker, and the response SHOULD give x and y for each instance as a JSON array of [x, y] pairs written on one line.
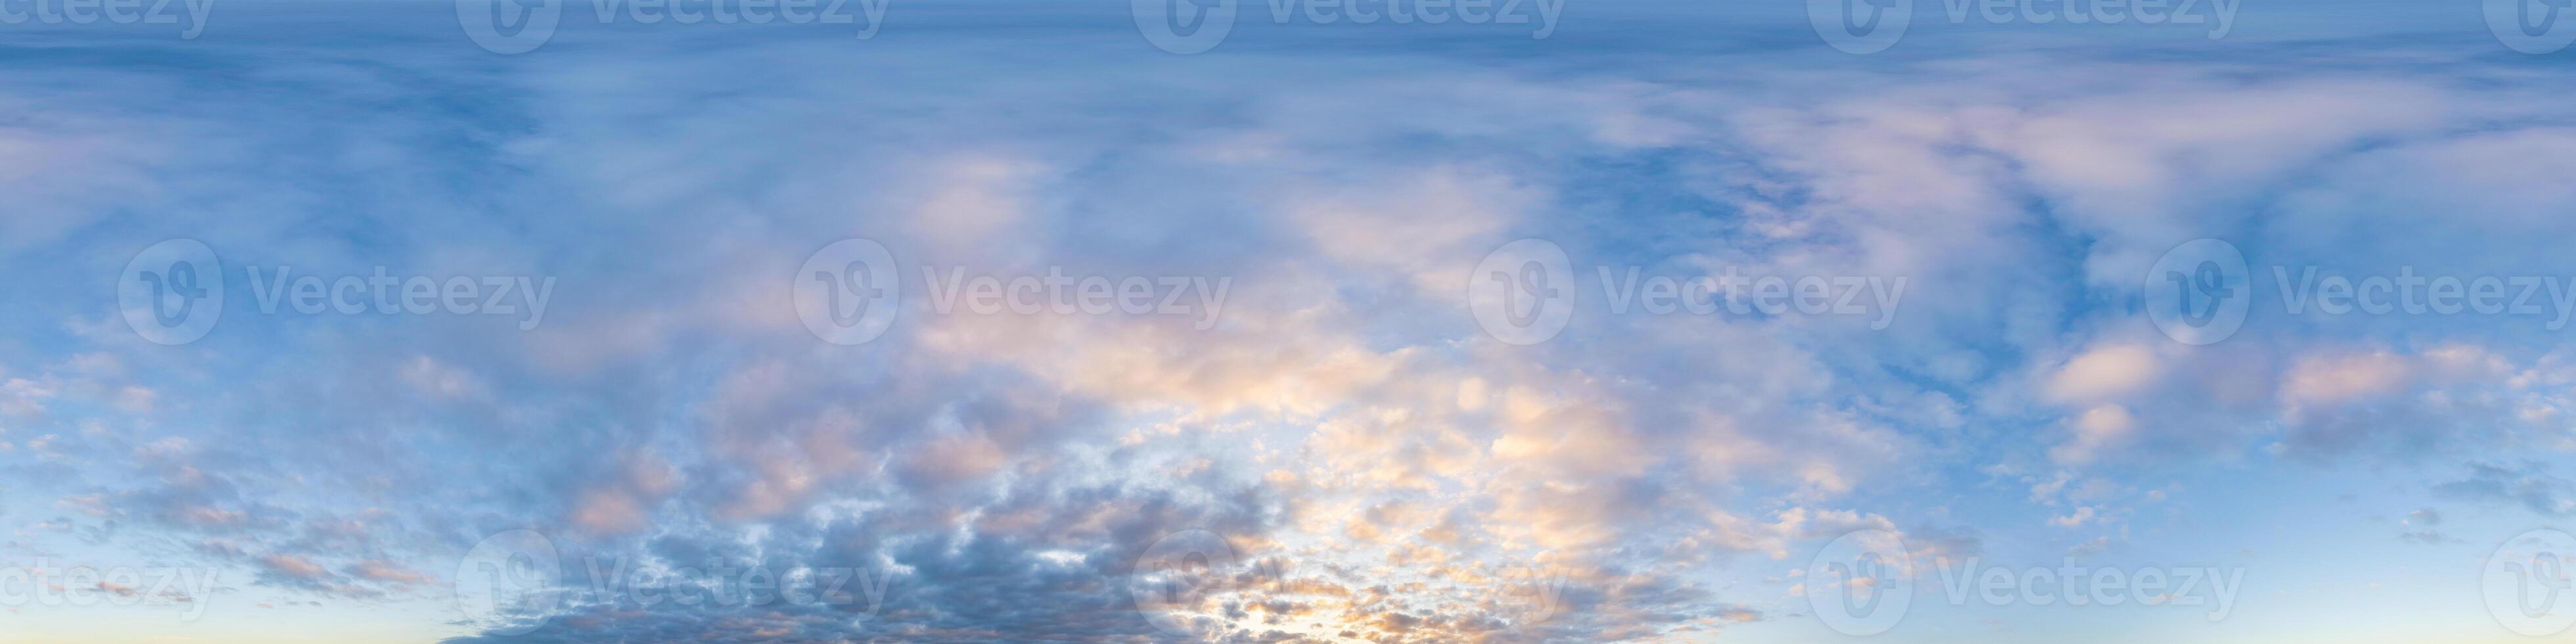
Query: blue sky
[[1312, 425]]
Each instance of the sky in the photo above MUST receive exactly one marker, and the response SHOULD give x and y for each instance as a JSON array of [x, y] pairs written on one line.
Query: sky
[[2231, 321]]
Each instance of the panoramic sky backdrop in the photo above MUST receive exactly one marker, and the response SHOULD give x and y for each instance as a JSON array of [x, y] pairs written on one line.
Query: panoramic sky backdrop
[[368, 321]]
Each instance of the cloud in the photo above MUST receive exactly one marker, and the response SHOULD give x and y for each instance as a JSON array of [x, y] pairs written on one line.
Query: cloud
[[1384, 468], [2098, 429], [2528, 484], [2104, 372]]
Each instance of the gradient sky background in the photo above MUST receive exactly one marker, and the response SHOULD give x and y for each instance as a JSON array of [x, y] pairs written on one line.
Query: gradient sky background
[[1346, 419]]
